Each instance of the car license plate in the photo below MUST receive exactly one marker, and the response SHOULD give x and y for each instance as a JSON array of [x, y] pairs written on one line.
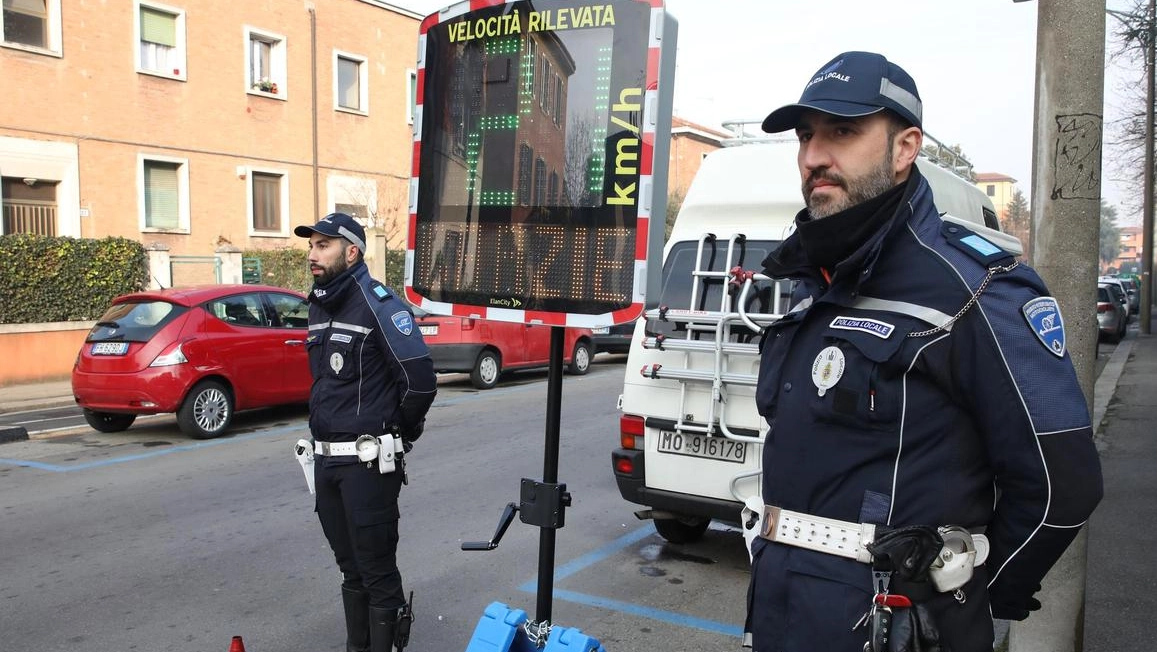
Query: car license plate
[[429, 330], [110, 348], [715, 448], [601, 331]]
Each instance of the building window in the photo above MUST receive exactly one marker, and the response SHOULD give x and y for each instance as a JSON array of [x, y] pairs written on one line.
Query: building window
[[540, 182], [268, 202], [29, 205], [31, 24], [990, 189], [164, 195], [265, 63], [349, 83], [161, 39]]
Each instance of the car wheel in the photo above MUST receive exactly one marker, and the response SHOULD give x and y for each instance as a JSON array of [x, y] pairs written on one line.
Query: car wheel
[[486, 370], [683, 529], [207, 410], [580, 362], [108, 421]]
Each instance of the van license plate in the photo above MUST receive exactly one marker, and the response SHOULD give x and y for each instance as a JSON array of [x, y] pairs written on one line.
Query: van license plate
[[429, 330], [110, 348], [715, 448]]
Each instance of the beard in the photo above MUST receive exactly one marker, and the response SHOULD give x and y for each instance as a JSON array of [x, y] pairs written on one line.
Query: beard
[[328, 274], [856, 191]]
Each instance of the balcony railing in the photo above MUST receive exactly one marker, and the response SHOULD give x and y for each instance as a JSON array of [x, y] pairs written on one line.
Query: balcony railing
[[30, 217]]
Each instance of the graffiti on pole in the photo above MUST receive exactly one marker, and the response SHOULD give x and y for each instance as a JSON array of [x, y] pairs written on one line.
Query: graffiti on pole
[[1077, 161]]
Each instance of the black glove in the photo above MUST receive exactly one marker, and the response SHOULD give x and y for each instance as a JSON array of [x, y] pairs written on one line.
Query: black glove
[[410, 434], [913, 631], [1009, 611], [907, 551]]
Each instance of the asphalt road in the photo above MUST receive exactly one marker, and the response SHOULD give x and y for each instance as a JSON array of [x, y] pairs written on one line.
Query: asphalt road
[[146, 540]]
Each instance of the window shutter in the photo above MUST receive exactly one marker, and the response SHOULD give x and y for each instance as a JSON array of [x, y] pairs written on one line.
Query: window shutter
[[30, 7], [162, 195], [158, 27], [266, 202]]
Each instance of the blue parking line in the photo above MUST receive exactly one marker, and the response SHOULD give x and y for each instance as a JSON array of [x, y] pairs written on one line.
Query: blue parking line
[[60, 468], [614, 547]]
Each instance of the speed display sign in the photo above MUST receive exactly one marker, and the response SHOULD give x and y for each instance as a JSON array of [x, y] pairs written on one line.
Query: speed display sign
[[540, 155]]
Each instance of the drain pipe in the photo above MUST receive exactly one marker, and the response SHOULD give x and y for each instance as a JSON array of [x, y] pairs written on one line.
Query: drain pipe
[[309, 5]]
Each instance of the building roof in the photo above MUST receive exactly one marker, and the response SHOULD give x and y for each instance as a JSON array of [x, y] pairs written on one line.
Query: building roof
[[991, 177], [680, 126]]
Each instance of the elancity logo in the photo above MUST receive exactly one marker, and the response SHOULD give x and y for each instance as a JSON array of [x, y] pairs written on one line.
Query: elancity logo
[[829, 73]]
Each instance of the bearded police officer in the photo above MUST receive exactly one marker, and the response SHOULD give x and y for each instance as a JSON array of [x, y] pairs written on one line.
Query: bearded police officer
[[930, 454], [373, 382]]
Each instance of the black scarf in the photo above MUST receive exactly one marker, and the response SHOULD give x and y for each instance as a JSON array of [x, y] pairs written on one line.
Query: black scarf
[[331, 293], [830, 240]]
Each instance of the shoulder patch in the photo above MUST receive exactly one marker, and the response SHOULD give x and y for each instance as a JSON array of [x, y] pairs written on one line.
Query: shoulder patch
[[380, 291], [1044, 317], [403, 322], [974, 245]]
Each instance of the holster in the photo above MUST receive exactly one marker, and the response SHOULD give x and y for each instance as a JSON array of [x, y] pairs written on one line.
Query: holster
[[303, 451]]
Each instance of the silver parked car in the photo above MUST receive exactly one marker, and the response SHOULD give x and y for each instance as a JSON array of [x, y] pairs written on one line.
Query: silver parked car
[[1111, 315]]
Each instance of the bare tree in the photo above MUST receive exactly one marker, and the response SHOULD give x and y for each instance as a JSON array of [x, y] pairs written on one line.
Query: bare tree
[[1126, 134]]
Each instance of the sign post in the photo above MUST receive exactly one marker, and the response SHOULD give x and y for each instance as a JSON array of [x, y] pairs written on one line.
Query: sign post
[[538, 190]]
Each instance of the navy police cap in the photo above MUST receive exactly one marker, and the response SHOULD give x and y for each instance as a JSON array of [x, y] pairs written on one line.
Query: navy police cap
[[851, 85], [336, 225]]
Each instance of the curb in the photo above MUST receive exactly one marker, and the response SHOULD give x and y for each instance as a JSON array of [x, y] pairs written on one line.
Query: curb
[[1106, 387], [10, 434]]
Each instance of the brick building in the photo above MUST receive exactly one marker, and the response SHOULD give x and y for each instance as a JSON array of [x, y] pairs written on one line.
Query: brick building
[[192, 125]]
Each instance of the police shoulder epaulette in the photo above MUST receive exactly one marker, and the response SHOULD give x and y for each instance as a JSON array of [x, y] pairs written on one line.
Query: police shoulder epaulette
[[976, 246], [380, 291]]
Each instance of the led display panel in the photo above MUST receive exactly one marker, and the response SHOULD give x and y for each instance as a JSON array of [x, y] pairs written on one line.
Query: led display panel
[[540, 157]]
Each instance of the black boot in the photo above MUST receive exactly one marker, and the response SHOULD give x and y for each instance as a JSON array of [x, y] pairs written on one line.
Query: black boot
[[357, 619], [383, 629]]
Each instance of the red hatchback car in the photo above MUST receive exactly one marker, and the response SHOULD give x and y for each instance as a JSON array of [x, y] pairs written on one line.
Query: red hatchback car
[[485, 349], [200, 352]]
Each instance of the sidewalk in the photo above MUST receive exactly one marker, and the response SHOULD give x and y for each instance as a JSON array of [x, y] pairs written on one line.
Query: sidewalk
[[34, 396], [1119, 593]]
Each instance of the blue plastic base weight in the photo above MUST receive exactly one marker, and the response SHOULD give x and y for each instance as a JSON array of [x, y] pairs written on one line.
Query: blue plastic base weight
[[500, 630]]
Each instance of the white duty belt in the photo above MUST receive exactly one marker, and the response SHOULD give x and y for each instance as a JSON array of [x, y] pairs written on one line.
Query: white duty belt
[[336, 448], [387, 450], [834, 537]]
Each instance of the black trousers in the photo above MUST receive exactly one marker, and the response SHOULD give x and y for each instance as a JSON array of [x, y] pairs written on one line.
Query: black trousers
[[358, 510]]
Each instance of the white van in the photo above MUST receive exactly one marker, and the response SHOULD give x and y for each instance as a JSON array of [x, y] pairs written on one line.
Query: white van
[[690, 435]]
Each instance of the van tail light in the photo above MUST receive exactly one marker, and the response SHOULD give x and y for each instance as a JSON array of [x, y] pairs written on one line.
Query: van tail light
[[631, 432], [467, 324]]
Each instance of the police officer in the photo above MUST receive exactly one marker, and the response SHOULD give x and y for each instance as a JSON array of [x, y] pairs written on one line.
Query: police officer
[[372, 378], [918, 390]]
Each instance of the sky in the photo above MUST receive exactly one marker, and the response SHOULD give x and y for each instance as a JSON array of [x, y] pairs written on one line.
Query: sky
[[973, 62]]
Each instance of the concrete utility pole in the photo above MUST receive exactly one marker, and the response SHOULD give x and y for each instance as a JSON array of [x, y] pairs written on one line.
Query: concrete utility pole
[[1066, 194]]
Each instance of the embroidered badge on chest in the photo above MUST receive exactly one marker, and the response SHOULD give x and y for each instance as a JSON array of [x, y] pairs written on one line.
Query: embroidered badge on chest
[[1044, 317], [336, 362], [828, 368], [880, 329], [402, 322]]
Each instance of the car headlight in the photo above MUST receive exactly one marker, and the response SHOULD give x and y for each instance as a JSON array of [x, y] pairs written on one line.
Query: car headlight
[[176, 356]]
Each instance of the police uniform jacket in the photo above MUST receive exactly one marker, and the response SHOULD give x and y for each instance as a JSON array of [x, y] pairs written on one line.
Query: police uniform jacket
[[371, 369], [949, 400]]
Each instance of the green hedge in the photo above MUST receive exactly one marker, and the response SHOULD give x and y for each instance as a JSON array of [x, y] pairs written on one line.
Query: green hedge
[[289, 268], [47, 279]]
